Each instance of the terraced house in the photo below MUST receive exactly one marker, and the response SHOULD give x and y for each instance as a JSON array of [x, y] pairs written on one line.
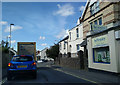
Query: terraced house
[[101, 30], [71, 43], [63, 47], [75, 39]]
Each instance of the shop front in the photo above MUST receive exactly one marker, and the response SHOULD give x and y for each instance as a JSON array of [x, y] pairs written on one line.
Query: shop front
[[103, 51]]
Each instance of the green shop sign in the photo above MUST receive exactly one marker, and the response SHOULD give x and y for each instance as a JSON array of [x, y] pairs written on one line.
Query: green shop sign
[[100, 41], [98, 27]]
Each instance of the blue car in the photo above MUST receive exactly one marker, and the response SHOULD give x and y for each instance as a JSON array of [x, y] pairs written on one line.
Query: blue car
[[22, 65]]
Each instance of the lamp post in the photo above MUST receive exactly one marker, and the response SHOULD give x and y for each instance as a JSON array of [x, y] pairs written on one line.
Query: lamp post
[[10, 40]]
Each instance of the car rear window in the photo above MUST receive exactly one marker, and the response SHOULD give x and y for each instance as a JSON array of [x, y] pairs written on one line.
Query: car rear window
[[22, 58]]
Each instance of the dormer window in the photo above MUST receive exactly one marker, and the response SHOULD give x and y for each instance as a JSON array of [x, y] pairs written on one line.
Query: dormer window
[[94, 7]]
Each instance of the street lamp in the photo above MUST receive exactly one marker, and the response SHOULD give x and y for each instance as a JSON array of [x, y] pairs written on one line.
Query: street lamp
[[10, 40], [10, 34]]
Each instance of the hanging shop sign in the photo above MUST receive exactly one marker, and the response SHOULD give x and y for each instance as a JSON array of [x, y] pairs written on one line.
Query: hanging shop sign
[[100, 41]]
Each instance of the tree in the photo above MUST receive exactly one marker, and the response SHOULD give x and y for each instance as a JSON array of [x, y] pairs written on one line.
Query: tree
[[5, 47], [53, 51]]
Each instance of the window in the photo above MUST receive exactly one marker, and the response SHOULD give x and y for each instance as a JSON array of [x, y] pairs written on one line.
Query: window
[[77, 47], [64, 54], [94, 8], [101, 55], [100, 21], [60, 46], [91, 25], [70, 35], [77, 33], [95, 22], [64, 45], [22, 59]]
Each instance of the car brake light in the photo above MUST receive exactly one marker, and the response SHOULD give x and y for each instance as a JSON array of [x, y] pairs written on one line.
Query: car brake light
[[34, 63], [22, 55], [10, 64]]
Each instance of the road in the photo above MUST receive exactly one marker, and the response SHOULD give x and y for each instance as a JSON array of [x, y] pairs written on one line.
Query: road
[[46, 74]]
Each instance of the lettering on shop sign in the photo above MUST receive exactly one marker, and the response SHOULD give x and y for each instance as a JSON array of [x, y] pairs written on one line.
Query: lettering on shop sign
[[100, 41], [98, 28]]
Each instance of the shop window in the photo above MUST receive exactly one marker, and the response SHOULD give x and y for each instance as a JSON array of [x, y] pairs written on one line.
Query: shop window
[[101, 55]]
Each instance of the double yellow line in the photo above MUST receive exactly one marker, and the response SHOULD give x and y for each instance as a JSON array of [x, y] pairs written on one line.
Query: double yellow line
[[77, 76]]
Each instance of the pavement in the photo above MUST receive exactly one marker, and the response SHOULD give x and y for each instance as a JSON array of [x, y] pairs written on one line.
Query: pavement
[[4, 72], [95, 77]]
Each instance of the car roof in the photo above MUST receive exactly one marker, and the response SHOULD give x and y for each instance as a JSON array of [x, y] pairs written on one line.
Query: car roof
[[23, 55]]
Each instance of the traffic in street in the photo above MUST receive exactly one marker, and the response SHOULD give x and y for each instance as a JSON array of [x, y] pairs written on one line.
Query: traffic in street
[[45, 74]]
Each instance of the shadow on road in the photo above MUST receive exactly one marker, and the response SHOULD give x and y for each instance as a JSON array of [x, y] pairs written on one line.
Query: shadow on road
[[43, 68], [55, 67], [22, 77]]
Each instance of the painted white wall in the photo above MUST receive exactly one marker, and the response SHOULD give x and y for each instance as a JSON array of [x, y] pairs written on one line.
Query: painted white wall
[[118, 53], [43, 53], [114, 55], [74, 40], [61, 49]]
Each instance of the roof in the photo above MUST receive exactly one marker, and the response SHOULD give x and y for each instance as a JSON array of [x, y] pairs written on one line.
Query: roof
[[86, 6], [44, 49], [64, 39], [84, 43], [75, 27]]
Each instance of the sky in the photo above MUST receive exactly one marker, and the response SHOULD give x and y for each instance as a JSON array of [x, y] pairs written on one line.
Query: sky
[[45, 23]]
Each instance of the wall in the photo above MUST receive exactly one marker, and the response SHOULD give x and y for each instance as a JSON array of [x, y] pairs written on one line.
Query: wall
[[73, 63], [118, 46]]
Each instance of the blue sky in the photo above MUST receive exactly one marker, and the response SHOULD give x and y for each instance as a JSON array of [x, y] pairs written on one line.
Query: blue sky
[[42, 22]]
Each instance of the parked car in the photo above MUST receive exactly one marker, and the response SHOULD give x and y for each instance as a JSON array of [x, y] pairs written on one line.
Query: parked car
[[39, 61], [45, 60], [22, 65]]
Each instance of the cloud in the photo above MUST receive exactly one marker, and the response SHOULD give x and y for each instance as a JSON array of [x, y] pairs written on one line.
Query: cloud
[[65, 10], [81, 8], [42, 38], [3, 22], [13, 41], [63, 34], [44, 44], [13, 28], [58, 5]]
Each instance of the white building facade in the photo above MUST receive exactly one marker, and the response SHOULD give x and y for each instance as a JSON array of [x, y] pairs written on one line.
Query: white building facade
[[75, 39], [71, 44], [43, 53], [63, 47]]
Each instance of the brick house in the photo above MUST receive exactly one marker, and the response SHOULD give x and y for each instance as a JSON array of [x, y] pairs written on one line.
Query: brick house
[[101, 30]]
